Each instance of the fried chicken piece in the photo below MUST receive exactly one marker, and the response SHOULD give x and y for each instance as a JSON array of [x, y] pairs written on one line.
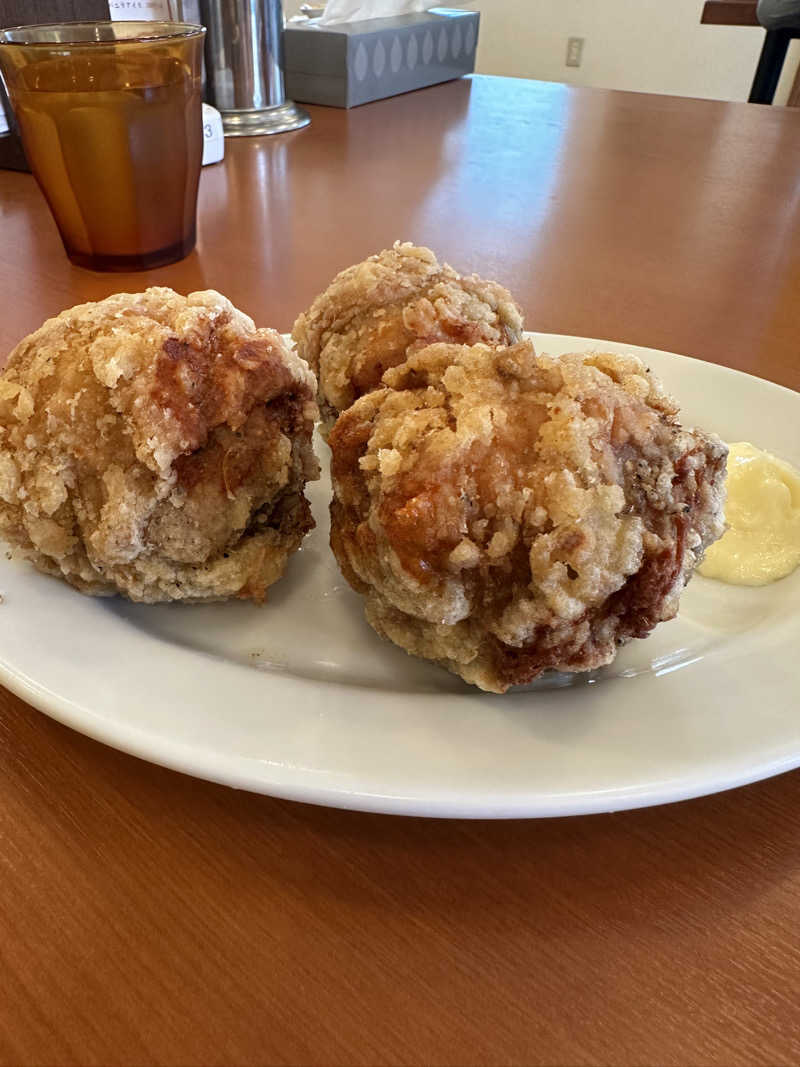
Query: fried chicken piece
[[157, 446], [504, 514], [376, 313]]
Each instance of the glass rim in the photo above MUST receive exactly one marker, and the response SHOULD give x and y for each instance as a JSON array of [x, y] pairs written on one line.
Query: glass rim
[[162, 30]]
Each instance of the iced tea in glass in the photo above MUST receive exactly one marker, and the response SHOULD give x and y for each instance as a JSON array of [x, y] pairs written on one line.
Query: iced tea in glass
[[110, 117]]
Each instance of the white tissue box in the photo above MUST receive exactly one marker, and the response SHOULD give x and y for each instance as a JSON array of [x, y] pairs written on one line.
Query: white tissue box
[[352, 63]]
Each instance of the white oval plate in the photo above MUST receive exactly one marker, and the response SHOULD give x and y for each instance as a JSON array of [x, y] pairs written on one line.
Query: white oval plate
[[300, 698]]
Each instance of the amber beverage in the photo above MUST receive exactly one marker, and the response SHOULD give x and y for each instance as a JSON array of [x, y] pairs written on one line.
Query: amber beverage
[[110, 117]]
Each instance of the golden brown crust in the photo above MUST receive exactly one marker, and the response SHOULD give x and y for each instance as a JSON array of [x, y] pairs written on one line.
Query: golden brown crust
[[375, 313], [156, 445], [505, 513]]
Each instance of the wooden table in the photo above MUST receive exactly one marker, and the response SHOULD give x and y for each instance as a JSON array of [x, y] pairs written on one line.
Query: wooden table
[[730, 12], [149, 918]]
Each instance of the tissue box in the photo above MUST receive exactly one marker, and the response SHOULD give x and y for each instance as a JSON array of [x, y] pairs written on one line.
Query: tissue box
[[351, 63]]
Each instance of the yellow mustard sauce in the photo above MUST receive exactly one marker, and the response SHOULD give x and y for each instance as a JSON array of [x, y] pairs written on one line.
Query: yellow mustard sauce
[[762, 542]]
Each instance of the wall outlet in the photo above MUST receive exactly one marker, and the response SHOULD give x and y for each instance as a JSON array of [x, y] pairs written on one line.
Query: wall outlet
[[574, 51]]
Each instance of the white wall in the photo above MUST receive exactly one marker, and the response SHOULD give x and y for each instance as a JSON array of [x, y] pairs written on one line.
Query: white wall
[[656, 46]]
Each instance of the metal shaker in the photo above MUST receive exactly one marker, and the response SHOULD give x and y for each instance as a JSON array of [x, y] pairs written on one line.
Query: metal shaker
[[244, 67]]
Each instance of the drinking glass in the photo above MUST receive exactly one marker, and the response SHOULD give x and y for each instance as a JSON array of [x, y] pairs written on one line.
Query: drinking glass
[[110, 118]]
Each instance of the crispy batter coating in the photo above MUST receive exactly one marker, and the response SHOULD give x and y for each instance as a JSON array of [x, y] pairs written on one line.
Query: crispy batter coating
[[504, 513], [157, 446], [376, 313]]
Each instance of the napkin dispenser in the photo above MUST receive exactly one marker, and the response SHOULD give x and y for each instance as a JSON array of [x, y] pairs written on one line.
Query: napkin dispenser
[[352, 63]]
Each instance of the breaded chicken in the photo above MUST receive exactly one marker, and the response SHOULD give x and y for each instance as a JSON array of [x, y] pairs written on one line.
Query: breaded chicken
[[157, 446], [376, 313], [504, 514]]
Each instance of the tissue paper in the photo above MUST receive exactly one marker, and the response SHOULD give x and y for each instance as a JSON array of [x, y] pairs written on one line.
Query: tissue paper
[[357, 10]]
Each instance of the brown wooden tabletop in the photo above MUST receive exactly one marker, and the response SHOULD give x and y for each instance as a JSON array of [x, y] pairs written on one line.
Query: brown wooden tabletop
[[730, 12], [146, 917]]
